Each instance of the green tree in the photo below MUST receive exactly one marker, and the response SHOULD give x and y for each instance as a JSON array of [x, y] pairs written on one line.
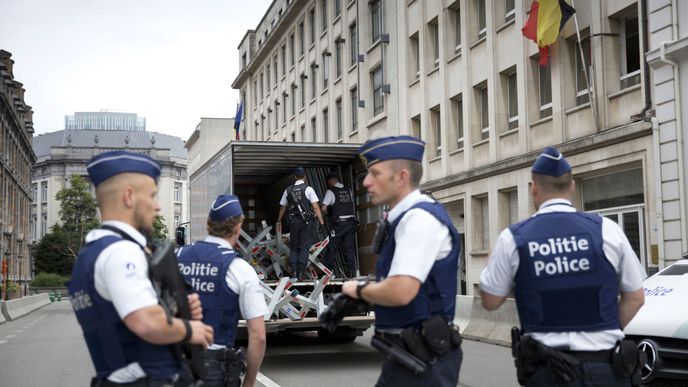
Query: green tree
[[160, 228], [58, 249]]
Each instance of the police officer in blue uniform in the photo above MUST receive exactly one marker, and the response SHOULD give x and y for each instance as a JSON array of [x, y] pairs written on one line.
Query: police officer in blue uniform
[[127, 332], [229, 289], [339, 203], [416, 266], [301, 203], [567, 270]]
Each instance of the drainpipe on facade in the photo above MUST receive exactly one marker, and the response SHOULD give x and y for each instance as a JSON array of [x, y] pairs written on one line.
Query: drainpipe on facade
[[659, 210]]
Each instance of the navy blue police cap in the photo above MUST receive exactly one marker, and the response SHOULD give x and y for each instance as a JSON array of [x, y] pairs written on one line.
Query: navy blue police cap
[[391, 148], [332, 175], [225, 207], [551, 163], [299, 172], [108, 164]]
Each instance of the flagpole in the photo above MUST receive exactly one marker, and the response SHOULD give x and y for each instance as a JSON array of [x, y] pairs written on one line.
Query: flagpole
[[593, 102]]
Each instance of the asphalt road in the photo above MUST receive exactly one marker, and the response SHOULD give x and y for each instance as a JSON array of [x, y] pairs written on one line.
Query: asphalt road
[[46, 348]]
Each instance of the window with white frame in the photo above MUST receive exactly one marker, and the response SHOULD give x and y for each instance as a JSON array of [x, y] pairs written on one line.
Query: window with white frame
[[44, 191], [177, 221], [457, 121], [302, 131], [434, 32], [415, 55], [302, 41], [415, 127], [292, 50], [544, 74], [481, 18], [376, 19], [378, 97], [44, 224], [436, 127], [326, 125], [353, 45], [34, 192], [314, 85], [255, 91], [284, 108], [324, 64], [337, 8], [354, 109], [455, 15], [311, 22], [293, 99], [34, 220], [511, 90], [275, 67], [483, 111], [338, 118], [482, 220], [583, 65], [314, 130], [629, 50], [177, 193], [509, 10], [302, 90], [337, 58], [284, 59], [323, 15], [262, 86], [267, 75]]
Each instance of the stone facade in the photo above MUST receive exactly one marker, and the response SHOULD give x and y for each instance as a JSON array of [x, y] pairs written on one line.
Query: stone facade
[[16, 157], [64, 153], [460, 75]]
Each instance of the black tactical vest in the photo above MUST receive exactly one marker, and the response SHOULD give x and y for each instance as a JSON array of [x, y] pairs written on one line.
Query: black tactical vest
[[296, 194], [343, 202]]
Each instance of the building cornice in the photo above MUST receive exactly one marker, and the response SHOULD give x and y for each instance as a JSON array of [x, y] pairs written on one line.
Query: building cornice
[[584, 144], [273, 39]]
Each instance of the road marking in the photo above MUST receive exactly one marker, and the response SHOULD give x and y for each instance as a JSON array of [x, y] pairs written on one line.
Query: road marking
[[11, 336], [265, 381]]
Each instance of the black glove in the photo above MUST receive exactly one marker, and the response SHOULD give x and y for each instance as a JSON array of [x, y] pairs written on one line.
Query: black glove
[[342, 305]]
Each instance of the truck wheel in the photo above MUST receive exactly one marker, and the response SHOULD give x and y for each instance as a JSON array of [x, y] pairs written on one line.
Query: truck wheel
[[340, 335]]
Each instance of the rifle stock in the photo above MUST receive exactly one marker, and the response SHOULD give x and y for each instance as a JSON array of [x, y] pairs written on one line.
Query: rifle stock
[[173, 294]]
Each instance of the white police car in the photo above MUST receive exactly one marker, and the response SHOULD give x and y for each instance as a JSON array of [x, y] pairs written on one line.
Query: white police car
[[661, 327]]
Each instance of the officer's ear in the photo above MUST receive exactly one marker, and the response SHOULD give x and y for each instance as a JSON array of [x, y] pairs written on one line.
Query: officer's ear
[[129, 196]]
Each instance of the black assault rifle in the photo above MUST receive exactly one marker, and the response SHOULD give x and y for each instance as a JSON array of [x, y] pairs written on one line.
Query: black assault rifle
[[173, 292]]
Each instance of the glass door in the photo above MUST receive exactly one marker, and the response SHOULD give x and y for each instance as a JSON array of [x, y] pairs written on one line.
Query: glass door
[[631, 220]]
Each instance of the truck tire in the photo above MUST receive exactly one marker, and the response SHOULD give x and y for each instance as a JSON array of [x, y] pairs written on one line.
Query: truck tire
[[340, 335]]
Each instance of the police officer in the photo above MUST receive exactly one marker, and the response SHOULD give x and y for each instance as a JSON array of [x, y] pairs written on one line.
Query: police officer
[[338, 201], [567, 269], [127, 332], [417, 262], [229, 289], [302, 203]]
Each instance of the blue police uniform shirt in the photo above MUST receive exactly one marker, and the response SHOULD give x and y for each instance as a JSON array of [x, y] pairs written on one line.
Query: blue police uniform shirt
[[433, 260], [110, 281], [504, 265]]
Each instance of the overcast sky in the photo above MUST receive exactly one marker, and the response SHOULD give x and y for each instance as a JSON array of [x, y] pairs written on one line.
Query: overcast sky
[[171, 61]]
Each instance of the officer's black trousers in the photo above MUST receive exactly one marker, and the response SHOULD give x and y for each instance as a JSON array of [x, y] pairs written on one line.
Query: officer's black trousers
[[345, 236], [300, 240], [214, 378], [443, 373], [592, 374]]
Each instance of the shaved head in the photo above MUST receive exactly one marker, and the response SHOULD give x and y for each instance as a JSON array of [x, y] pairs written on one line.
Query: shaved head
[[111, 189]]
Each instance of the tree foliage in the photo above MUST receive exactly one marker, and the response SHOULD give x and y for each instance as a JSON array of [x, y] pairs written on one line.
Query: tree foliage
[[58, 249], [160, 228]]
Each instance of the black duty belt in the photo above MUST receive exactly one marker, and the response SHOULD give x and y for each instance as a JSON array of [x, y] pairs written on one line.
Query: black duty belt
[[595, 356], [215, 354]]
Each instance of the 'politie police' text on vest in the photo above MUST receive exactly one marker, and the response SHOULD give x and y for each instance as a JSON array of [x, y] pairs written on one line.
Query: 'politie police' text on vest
[[551, 255], [196, 270]]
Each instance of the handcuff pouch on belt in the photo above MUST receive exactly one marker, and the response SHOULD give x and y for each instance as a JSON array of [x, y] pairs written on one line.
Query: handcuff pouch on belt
[[435, 338], [627, 361]]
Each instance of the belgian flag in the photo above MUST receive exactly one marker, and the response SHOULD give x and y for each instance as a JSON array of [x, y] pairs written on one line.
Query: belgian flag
[[547, 18]]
